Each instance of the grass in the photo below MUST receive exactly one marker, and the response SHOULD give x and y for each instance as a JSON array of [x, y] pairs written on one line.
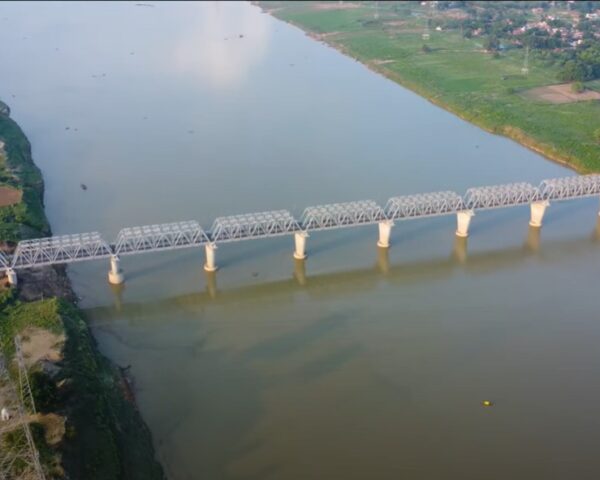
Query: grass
[[459, 76]]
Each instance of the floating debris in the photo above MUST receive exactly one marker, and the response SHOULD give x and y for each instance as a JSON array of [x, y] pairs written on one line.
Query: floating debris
[[487, 403], [67, 128], [190, 131], [144, 5], [241, 35], [83, 186]]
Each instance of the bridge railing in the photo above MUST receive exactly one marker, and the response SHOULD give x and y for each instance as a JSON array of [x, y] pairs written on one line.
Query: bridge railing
[[60, 249], [499, 196], [166, 236], [570, 187], [423, 205], [339, 215], [253, 225]]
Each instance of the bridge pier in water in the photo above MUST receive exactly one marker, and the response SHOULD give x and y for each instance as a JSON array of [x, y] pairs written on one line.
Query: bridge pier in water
[[385, 230], [12, 277], [537, 212], [209, 250], [463, 220], [300, 245], [115, 274]]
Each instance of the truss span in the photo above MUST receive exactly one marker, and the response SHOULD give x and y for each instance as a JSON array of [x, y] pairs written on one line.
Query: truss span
[[166, 236], [499, 196], [253, 225], [570, 187], [339, 215], [60, 249], [423, 205]]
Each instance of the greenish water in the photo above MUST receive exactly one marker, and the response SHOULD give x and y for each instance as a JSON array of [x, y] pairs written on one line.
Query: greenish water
[[358, 365]]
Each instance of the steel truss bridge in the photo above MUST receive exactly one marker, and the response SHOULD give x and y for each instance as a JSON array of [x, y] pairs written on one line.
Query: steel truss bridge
[[170, 236]]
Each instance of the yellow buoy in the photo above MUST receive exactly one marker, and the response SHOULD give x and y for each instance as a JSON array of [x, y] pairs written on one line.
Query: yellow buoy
[[487, 403]]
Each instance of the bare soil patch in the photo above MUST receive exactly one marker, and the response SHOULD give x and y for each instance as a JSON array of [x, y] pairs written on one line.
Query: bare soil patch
[[9, 196], [39, 344], [560, 93], [335, 6], [379, 61]]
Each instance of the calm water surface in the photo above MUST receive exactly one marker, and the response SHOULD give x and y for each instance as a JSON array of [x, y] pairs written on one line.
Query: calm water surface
[[358, 364]]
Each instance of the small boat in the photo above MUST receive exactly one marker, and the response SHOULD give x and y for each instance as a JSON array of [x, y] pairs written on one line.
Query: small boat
[[83, 186]]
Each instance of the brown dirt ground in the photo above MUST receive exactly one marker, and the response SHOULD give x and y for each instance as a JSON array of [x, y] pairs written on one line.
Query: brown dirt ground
[[39, 344], [560, 93], [335, 6], [9, 196]]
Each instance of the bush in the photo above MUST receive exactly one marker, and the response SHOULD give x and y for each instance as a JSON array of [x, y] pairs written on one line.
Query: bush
[[577, 87], [426, 49]]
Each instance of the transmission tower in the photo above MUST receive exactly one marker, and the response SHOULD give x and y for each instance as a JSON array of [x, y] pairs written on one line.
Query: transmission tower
[[19, 459], [426, 34], [525, 68]]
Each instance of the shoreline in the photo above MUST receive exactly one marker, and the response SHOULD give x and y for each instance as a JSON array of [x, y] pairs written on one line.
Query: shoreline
[[105, 436], [508, 131]]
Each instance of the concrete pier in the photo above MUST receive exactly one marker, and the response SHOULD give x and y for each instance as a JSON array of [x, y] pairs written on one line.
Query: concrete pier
[[463, 219], [115, 274], [12, 277], [385, 230], [537, 212], [300, 245], [209, 250]]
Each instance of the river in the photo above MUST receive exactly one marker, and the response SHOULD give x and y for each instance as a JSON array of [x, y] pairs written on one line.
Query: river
[[359, 365]]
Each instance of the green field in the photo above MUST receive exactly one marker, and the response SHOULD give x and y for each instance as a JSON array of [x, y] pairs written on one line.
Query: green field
[[457, 74]]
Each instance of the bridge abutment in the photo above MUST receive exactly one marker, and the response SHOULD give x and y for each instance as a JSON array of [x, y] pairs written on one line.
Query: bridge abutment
[[537, 212], [463, 220], [300, 245], [385, 230], [115, 274], [209, 250], [11, 274]]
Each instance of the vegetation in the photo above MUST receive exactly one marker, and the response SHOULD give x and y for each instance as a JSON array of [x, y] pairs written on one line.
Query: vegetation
[[25, 219], [459, 72], [105, 437]]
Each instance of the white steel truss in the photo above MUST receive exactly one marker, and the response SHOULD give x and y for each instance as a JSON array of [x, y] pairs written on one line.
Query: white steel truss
[[338, 215], [423, 205], [166, 236], [253, 225], [497, 196], [4, 261], [570, 187], [60, 249], [89, 246]]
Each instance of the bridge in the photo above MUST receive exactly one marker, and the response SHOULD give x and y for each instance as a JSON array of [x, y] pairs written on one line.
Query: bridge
[[65, 249]]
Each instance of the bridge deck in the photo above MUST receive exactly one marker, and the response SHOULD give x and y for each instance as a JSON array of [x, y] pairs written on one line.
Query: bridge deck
[[169, 236]]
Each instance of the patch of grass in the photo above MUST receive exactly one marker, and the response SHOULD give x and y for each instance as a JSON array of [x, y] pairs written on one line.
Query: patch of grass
[[458, 75]]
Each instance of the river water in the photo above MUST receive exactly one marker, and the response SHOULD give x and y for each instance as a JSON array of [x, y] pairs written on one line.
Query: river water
[[357, 364]]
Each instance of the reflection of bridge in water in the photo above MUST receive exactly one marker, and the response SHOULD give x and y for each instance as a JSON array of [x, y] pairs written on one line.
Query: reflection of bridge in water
[[154, 238], [360, 279]]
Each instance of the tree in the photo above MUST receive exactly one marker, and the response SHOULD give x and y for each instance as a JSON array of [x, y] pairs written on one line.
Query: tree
[[577, 87], [597, 135]]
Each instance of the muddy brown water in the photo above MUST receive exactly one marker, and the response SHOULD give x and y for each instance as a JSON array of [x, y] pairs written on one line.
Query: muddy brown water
[[357, 365]]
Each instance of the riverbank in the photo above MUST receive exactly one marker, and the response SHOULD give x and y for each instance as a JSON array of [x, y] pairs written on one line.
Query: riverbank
[[103, 435], [458, 75]]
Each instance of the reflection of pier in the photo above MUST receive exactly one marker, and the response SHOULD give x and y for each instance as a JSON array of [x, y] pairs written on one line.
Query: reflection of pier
[[171, 236], [366, 278]]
